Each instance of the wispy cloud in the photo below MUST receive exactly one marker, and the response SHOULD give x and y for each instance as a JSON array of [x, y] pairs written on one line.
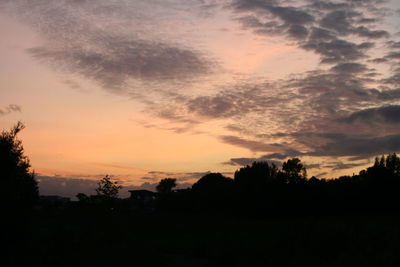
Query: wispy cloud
[[86, 38], [9, 109], [384, 114]]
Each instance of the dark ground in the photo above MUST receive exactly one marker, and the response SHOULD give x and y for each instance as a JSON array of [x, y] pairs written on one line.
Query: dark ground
[[62, 238]]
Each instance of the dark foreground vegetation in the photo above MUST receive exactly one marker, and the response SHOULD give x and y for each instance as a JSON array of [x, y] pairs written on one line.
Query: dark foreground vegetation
[[264, 216], [94, 239]]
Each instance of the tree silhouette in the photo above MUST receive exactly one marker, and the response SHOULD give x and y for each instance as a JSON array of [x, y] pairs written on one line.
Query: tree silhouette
[[19, 187], [213, 183], [213, 192], [392, 164], [107, 188], [165, 186], [294, 170], [256, 176]]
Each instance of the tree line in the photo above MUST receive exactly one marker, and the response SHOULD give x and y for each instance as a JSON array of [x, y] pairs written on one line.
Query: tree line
[[264, 189], [260, 188]]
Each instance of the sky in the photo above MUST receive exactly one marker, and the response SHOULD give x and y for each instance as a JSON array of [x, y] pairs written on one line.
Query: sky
[[144, 90]]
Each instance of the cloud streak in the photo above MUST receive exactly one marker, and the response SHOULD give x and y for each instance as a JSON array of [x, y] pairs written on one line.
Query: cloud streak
[[85, 38], [385, 114], [10, 109], [113, 61]]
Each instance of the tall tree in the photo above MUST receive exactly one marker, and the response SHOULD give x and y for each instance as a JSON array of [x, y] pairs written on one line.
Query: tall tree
[[294, 170], [107, 188], [18, 185]]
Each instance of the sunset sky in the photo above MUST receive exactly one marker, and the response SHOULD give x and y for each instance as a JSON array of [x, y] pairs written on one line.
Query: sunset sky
[[144, 90]]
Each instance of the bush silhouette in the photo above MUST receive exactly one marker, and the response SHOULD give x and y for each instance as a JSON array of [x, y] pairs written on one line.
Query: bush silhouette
[[213, 183], [255, 177], [213, 191], [166, 185]]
